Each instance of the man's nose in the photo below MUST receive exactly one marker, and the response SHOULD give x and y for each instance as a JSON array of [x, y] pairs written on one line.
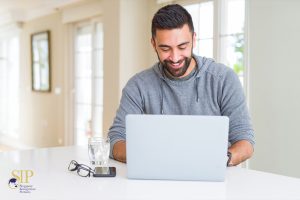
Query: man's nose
[[175, 56]]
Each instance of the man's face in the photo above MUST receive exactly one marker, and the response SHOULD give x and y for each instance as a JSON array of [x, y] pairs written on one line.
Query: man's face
[[174, 50]]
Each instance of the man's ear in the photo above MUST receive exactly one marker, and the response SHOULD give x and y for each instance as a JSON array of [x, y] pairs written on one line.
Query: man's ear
[[194, 40], [153, 43]]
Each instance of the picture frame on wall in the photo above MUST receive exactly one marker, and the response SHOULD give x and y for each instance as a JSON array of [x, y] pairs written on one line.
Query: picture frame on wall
[[40, 61]]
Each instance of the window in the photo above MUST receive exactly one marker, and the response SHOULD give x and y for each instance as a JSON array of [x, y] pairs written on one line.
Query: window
[[203, 19], [9, 86], [226, 43], [232, 35], [88, 81]]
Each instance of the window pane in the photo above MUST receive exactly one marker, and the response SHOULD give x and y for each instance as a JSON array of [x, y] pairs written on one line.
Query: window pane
[[99, 36], [194, 10], [81, 138], [233, 16], [202, 14], [84, 43], [83, 90], [84, 38], [99, 91], [83, 64], [232, 35], [83, 83], [83, 115], [13, 82], [88, 81], [206, 21], [99, 63], [232, 48], [9, 86], [3, 91], [205, 48], [97, 121]]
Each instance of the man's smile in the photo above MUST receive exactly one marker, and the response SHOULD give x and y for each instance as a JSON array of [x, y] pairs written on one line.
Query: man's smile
[[175, 65]]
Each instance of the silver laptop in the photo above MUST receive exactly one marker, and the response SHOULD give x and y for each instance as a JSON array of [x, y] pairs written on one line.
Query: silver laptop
[[176, 147]]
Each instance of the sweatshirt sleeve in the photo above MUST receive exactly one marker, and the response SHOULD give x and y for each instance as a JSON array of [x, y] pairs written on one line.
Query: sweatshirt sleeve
[[233, 104], [131, 103]]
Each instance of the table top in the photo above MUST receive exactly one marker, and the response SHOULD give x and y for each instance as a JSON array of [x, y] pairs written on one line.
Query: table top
[[52, 180]]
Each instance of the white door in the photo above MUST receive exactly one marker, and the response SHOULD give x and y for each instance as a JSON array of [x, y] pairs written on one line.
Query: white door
[[88, 81]]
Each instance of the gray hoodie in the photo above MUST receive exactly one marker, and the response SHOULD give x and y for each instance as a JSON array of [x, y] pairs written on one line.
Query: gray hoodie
[[213, 89]]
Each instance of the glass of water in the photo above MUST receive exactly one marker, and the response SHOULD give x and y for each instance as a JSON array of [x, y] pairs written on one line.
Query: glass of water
[[99, 151]]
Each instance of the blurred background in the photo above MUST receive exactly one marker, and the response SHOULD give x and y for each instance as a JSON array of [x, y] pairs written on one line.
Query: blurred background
[[60, 86]]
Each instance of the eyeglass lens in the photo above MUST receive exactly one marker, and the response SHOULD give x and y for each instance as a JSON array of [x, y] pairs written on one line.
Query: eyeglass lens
[[73, 165], [82, 170]]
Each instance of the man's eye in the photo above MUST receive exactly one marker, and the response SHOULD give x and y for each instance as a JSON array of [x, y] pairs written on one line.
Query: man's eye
[[182, 47], [165, 49]]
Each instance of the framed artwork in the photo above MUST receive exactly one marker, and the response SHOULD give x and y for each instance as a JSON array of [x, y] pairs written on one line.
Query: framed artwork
[[40, 61]]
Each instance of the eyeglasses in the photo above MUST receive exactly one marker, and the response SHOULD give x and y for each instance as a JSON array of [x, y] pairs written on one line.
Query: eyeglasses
[[82, 170]]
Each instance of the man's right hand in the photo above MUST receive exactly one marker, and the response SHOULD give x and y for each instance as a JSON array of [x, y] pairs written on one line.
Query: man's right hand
[[119, 151]]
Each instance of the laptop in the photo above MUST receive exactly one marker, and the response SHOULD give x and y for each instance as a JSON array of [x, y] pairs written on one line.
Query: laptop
[[176, 147]]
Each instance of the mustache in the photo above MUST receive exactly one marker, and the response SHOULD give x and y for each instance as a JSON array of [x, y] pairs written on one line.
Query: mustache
[[171, 62]]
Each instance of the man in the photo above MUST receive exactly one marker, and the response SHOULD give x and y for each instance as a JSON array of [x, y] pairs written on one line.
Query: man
[[184, 84]]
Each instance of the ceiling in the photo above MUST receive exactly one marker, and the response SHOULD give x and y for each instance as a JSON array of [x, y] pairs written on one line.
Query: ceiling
[[24, 10]]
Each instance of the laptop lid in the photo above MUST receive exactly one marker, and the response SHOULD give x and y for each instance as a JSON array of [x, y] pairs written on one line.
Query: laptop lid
[[176, 147]]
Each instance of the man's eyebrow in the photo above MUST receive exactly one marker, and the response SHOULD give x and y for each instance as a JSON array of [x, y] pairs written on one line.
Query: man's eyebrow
[[167, 46], [184, 43], [163, 45]]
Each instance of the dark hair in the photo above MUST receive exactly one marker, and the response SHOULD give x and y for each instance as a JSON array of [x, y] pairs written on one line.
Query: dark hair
[[170, 17]]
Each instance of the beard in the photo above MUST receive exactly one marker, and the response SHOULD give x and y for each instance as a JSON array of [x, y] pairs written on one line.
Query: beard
[[177, 72]]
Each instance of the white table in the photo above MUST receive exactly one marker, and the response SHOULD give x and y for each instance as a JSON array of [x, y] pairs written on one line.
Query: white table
[[52, 180]]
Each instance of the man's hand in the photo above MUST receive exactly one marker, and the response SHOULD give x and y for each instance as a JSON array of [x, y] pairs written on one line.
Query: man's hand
[[240, 151], [119, 151]]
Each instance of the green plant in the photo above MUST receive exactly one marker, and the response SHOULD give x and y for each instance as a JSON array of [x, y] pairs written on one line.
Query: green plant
[[238, 45]]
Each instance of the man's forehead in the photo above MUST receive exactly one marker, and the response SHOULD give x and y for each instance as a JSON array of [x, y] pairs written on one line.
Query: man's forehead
[[173, 36]]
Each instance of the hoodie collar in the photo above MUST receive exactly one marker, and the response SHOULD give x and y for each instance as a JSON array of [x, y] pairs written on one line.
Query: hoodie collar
[[202, 64]]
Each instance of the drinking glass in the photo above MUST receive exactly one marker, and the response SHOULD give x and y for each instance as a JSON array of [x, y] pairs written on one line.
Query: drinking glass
[[99, 151]]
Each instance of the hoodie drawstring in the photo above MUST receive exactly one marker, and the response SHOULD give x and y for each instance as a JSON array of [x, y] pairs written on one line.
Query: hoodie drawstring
[[162, 79], [162, 97], [197, 88]]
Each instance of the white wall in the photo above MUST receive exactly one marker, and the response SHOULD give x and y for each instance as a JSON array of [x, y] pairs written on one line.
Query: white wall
[[126, 47], [126, 52], [134, 38], [42, 114], [274, 33], [111, 27]]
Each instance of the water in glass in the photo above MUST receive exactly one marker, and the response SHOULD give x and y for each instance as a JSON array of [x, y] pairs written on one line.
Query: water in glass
[[99, 151]]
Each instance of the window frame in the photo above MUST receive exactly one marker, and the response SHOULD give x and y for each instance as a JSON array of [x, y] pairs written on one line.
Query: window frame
[[218, 11], [93, 22]]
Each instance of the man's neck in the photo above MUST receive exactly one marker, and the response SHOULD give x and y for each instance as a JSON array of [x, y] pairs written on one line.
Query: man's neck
[[190, 68]]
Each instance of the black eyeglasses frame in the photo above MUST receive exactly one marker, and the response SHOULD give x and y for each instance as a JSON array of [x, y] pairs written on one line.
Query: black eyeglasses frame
[[79, 167]]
